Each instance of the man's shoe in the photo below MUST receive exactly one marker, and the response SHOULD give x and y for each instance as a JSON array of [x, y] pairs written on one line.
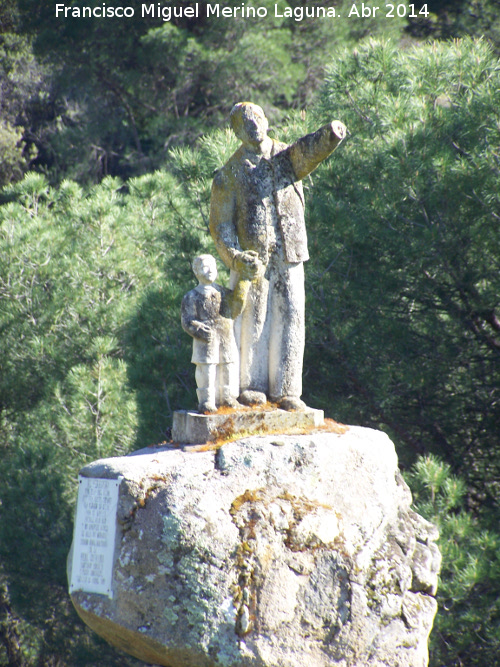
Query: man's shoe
[[251, 397], [231, 402], [291, 403]]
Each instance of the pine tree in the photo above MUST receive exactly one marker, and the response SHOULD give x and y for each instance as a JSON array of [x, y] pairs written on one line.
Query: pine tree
[[404, 282], [466, 630]]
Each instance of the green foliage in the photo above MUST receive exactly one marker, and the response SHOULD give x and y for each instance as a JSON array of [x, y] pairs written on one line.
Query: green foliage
[[77, 271], [466, 629], [11, 160], [114, 101], [123, 97], [91, 365], [452, 19], [118, 99], [403, 301], [21, 81]]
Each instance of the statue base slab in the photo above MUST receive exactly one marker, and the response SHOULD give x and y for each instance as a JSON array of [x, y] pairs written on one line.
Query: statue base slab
[[191, 428]]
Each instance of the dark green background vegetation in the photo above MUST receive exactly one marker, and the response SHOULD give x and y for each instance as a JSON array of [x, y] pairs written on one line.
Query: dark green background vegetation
[[108, 142]]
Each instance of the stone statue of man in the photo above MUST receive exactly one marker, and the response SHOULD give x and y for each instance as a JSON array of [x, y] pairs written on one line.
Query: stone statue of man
[[257, 223]]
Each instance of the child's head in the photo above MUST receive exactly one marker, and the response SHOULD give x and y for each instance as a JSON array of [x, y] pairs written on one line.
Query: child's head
[[205, 269]]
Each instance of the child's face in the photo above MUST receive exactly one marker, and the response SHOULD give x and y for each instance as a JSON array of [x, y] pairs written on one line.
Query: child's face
[[206, 270]]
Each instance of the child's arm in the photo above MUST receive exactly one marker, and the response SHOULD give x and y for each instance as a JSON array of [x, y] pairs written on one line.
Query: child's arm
[[190, 324]]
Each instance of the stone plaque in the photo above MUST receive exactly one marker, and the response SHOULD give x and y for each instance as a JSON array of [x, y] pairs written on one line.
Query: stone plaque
[[94, 537]]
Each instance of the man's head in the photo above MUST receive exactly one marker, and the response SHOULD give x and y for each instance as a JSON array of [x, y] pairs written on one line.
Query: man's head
[[249, 123], [205, 269]]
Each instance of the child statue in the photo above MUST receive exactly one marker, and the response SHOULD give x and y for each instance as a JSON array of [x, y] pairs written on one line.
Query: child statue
[[207, 314]]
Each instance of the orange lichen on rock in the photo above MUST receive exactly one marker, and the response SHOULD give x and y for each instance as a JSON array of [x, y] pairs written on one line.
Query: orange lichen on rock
[[226, 410], [227, 433]]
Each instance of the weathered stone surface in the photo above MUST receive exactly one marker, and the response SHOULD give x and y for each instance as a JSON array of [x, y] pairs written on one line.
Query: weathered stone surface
[[290, 552], [257, 223], [191, 427], [207, 314]]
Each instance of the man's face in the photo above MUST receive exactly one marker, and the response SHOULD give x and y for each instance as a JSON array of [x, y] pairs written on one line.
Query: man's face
[[255, 125], [206, 270], [252, 125]]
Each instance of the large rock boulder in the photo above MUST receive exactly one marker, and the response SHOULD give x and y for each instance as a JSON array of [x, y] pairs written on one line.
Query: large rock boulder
[[275, 551]]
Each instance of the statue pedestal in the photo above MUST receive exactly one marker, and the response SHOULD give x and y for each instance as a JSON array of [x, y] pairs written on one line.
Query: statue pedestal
[[194, 428]]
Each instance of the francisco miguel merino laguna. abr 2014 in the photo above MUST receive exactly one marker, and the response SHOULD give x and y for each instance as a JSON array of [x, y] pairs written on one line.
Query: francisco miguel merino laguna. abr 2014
[[168, 12]]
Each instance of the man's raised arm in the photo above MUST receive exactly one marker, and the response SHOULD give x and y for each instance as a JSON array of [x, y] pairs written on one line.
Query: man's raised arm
[[307, 152]]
